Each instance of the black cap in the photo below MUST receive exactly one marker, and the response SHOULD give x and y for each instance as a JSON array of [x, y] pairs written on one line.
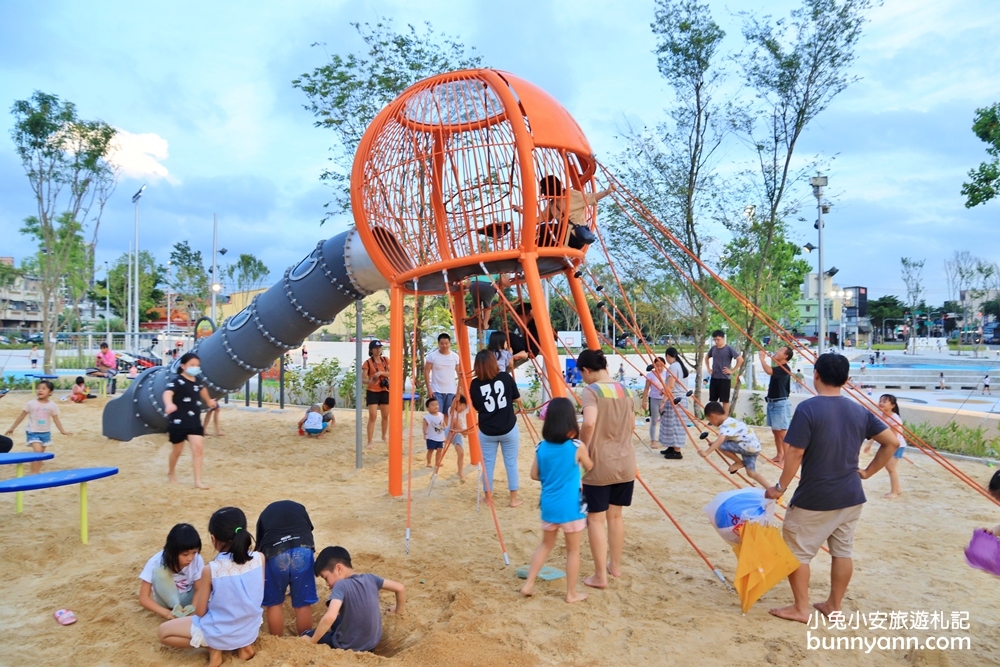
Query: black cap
[[329, 554]]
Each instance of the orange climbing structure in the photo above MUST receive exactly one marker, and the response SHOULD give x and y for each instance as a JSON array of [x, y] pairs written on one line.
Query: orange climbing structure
[[445, 186]]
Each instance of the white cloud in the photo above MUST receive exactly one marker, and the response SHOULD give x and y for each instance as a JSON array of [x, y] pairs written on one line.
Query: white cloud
[[140, 156]]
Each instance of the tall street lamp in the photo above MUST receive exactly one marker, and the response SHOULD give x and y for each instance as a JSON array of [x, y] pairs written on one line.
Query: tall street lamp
[[818, 182], [166, 336], [107, 302], [216, 285], [135, 297]]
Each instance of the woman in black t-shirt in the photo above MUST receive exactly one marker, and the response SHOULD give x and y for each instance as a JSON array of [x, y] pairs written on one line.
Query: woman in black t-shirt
[[493, 394], [183, 400]]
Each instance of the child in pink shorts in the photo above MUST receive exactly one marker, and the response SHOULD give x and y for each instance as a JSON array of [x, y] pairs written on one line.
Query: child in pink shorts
[[557, 466]]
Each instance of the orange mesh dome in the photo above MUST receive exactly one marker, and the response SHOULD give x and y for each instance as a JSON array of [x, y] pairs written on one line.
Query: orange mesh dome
[[446, 179]]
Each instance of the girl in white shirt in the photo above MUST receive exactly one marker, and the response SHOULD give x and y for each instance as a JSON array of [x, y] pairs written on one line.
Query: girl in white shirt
[[890, 415]]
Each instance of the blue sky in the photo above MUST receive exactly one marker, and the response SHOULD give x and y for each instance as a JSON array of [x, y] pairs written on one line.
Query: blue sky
[[201, 93]]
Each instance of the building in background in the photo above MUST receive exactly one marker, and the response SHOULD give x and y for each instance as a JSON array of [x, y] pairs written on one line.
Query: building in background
[[20, 303], [846, 311]]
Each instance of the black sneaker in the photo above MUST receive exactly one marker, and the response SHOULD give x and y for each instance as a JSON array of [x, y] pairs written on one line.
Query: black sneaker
[[671, 454]]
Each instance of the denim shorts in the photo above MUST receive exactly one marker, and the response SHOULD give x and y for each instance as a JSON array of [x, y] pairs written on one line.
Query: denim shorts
[[444, 401], [779, 414], [290, 569], [434, 444], [44, 437], [749, 459]]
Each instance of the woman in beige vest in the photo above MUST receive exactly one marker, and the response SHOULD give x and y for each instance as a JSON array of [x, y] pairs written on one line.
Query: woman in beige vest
[[608, 421]]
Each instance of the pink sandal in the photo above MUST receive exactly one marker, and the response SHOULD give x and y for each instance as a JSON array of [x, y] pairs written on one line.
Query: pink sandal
[[65, 617]]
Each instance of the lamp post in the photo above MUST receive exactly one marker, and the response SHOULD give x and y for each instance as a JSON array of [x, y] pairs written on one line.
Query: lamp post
[[166, 335], [818, 182], [128, 299], [216, 285], [135, 288], [107, 303]]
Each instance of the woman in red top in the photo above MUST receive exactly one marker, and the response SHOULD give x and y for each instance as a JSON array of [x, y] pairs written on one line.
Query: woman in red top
[[375, 375]]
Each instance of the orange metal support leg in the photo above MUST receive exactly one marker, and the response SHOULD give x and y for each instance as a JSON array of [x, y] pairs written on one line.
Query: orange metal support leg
[[465, 366], [583, 310], [546, 337], [397, 337]]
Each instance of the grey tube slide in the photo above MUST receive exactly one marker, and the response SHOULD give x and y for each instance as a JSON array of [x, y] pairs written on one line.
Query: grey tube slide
[[335, 274]]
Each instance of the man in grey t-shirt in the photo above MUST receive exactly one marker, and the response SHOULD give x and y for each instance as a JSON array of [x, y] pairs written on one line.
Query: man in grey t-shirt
[[825, 438], [719, 361], [353, 619]]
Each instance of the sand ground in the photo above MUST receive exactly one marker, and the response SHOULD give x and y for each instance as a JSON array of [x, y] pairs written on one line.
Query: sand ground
[[463, 607]]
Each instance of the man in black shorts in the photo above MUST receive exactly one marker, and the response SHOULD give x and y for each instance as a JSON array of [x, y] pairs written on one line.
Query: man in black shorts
[[719, 361]]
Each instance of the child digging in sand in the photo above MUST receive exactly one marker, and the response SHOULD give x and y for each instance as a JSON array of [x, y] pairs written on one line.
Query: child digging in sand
[[313, 425], [40, 412], [557, 466], [80, 393], [235, 581], [353, 619], [435, 424], [168, 579], [736, 441]]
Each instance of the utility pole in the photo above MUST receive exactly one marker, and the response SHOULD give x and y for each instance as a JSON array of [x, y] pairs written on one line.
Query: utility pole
[[818, 183], [215, 266], [135, 288]]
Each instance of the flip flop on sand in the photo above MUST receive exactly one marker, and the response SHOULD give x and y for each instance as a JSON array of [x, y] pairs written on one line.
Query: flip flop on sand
[[65, 617], [181, 612]]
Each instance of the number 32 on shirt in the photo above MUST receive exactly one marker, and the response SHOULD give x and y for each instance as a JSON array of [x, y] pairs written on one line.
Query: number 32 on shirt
[[493, 396]]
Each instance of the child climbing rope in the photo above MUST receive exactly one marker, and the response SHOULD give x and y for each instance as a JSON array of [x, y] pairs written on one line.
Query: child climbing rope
[[736, 441]]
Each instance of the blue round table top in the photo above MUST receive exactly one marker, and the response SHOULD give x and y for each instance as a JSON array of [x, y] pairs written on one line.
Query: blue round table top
[[25, 457], [42, 376], [47, 480]]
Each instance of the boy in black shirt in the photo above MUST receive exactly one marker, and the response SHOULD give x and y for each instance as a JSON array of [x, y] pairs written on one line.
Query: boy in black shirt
[[284, 536]]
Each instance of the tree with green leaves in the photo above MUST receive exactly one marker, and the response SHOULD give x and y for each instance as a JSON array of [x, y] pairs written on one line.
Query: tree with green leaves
[[795, 68], [347, 92], [66, 161], [985, 180], [151, 276], [189, 283], [69, 242], [671, 170], [247, 274], [784, 271], [887, 307]]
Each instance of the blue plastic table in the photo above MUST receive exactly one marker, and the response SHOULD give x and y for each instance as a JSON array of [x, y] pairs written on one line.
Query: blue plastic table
[[407, 396], [48, 480], [19, 460], [40, 376]]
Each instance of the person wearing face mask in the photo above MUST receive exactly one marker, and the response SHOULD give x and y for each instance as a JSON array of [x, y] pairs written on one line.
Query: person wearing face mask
[[183, 400]]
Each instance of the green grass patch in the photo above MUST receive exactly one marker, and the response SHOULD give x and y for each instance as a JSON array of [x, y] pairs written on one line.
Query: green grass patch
[[958, 439]]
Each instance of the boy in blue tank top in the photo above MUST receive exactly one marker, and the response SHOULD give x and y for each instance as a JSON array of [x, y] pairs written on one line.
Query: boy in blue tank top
[[557, 466]]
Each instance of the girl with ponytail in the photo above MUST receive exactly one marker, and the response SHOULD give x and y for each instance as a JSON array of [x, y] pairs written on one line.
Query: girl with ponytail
[[235, 582]]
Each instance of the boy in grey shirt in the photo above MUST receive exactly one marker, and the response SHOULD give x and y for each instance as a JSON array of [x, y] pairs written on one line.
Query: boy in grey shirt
[[353, 620]]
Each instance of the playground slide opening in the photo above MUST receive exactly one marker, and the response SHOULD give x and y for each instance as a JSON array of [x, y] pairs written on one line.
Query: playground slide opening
[[335, 274]]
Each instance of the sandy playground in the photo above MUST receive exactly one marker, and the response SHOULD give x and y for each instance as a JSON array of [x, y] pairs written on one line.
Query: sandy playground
[[463, 607]]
